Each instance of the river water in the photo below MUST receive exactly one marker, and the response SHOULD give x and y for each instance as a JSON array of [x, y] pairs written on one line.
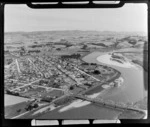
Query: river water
[[133, 88]]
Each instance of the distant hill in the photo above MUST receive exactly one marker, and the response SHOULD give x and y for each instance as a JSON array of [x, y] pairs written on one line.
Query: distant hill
[[77, 37]]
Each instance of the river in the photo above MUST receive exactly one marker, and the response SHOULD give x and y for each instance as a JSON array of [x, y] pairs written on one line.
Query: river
[[133, 88]]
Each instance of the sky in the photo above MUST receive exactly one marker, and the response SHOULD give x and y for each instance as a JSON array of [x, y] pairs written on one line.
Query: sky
[[130, 18]]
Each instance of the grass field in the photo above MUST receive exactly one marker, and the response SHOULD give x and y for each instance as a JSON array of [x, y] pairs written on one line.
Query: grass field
[[16, 109]]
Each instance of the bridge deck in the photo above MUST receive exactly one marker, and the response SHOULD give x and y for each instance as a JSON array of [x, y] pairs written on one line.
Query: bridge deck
[[108, 104]]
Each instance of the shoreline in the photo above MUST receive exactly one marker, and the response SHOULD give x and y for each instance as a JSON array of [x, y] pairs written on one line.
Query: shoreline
[[101, 83], [107, 59]]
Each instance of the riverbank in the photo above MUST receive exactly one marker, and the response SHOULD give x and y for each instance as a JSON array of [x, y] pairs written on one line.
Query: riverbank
[[133, 88], [106, 59], [98, 87]]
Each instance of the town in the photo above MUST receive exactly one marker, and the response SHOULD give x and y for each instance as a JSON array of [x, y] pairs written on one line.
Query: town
[[49, 78], [39, 75]]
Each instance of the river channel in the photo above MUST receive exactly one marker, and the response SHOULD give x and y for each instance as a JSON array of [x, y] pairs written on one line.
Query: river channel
[[133, 88]]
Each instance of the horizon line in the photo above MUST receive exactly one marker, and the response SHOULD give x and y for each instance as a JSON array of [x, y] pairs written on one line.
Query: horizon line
[[73, 30]]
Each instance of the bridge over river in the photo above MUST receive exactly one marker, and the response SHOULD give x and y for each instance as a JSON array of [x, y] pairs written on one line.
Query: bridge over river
[[110, 104]]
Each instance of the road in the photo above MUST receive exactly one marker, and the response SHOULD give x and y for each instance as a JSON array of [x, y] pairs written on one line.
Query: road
[[39, 107], [51, 88], [18, 68], [87, 74], [61, 70], [35, 80], [69, 75], [26, 85], [20, 115], [35, 66]]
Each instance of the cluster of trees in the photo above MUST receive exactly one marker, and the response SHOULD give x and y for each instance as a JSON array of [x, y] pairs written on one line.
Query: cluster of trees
[[56, 85], [58, 49], [109, 38], [87, 84], [118, 57], [6, 51], [97, 72], [9, 47], [89, 63], [64, 42], [99, 44], [93, 64], [74, 56], [117, 61], [85, 64], [50, 44], [34, 51], [47, 99], [43, 81], [71, 87], [63, 101], [12, 93], [84, 46], [9, 61], [35, 42], [31, 106], [36, 46]]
